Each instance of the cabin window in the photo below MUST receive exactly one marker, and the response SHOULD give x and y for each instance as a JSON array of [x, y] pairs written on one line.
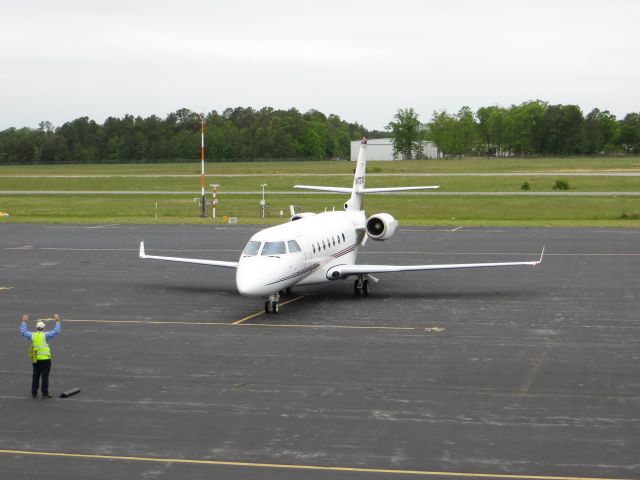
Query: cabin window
[[343, 237], [324, 246], [334, 241], [314, 248], [318, 244], [293, 246], [273, 248], [252, 248]]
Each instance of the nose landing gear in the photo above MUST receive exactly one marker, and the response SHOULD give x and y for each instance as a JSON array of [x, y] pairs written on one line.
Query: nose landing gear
[[272, 304]]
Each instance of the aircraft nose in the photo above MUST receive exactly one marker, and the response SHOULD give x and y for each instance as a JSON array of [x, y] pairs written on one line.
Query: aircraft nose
[[251, 279], [257, 277], [244, 281]]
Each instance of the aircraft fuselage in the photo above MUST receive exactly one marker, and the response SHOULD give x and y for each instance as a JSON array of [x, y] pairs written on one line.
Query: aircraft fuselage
[[299, 252]]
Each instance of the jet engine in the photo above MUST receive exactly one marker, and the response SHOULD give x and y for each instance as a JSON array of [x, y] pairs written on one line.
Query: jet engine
[[298, 216], [381, 226]]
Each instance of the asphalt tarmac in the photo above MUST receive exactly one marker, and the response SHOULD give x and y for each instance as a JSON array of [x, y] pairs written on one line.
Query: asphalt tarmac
[[504, 373]]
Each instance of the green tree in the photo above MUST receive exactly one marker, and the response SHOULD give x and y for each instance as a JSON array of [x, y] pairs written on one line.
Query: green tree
[[338, 138], [562, 130], [601, 132], [407, 133], [491, 124], [82, 136], [522, 127], [465, 131], [54, 150], [19, 146], [441, 131], [453, 134], [630, 133]]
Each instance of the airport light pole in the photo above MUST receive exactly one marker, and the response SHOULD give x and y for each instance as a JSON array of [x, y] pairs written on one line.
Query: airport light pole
[[263, 185], [263, 204], [202, 199], [214, 199]]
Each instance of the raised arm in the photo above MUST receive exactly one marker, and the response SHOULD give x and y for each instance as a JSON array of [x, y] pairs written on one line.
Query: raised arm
[[57, 329], [23, 327]]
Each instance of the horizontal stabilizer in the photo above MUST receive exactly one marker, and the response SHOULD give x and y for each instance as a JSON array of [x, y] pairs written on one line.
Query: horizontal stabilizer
[[364, 190], [324, 189], [214, 263], [397, 189]]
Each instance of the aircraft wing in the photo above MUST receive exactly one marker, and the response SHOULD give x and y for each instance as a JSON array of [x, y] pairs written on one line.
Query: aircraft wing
[[342, 271], [215, 263]]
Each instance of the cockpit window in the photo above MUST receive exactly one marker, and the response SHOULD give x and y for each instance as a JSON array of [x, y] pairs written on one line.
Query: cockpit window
[[293, 246], [252, 248], [273, 248]]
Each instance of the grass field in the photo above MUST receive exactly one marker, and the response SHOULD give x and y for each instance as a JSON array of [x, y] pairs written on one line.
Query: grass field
[[611, 210], [411, 166], [285, 183]]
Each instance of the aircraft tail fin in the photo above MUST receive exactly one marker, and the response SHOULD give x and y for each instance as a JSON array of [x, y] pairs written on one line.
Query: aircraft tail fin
[[358, 189]]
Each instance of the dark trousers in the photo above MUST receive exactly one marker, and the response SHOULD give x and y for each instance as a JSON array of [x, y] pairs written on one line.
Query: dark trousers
[[41, 367]]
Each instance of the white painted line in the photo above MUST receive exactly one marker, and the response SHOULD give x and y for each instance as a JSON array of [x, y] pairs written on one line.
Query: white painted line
[[104, 226]]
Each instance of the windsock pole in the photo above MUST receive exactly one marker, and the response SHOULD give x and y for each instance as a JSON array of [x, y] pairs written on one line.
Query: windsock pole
[[202, 199]]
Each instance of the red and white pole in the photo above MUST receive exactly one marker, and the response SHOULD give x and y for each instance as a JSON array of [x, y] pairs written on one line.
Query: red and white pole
[[202, 200]]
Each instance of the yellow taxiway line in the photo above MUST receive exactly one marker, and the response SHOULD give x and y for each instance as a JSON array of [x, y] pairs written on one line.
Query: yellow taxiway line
[[232, 324], [145, 322], [284, 466], [345, 327]]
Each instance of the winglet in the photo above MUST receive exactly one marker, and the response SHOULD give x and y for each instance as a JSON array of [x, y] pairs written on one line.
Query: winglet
[[142, 254]]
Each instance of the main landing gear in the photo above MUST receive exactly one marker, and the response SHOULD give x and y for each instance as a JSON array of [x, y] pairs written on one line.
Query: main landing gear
[[361, 286], [272, 304]]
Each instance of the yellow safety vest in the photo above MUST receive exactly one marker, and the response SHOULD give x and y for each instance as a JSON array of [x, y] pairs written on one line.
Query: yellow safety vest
[[41, 347]]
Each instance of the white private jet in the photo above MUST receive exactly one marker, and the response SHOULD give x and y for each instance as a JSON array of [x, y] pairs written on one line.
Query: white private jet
[[318, 248]]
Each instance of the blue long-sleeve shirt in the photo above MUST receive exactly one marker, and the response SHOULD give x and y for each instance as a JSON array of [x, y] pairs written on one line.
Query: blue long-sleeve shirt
[[48, 335]]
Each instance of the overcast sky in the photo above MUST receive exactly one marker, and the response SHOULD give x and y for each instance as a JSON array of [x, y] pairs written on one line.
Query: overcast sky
[[63, 59]]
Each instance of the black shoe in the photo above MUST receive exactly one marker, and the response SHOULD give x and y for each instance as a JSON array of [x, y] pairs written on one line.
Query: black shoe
[[34, 396], [47, 396]]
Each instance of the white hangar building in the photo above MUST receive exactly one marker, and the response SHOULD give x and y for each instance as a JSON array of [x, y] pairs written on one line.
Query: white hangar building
[[382, 149]]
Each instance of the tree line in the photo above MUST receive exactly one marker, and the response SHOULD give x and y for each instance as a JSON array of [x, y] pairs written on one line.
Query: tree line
[[244, 134], [531, 128], [236, 134]]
